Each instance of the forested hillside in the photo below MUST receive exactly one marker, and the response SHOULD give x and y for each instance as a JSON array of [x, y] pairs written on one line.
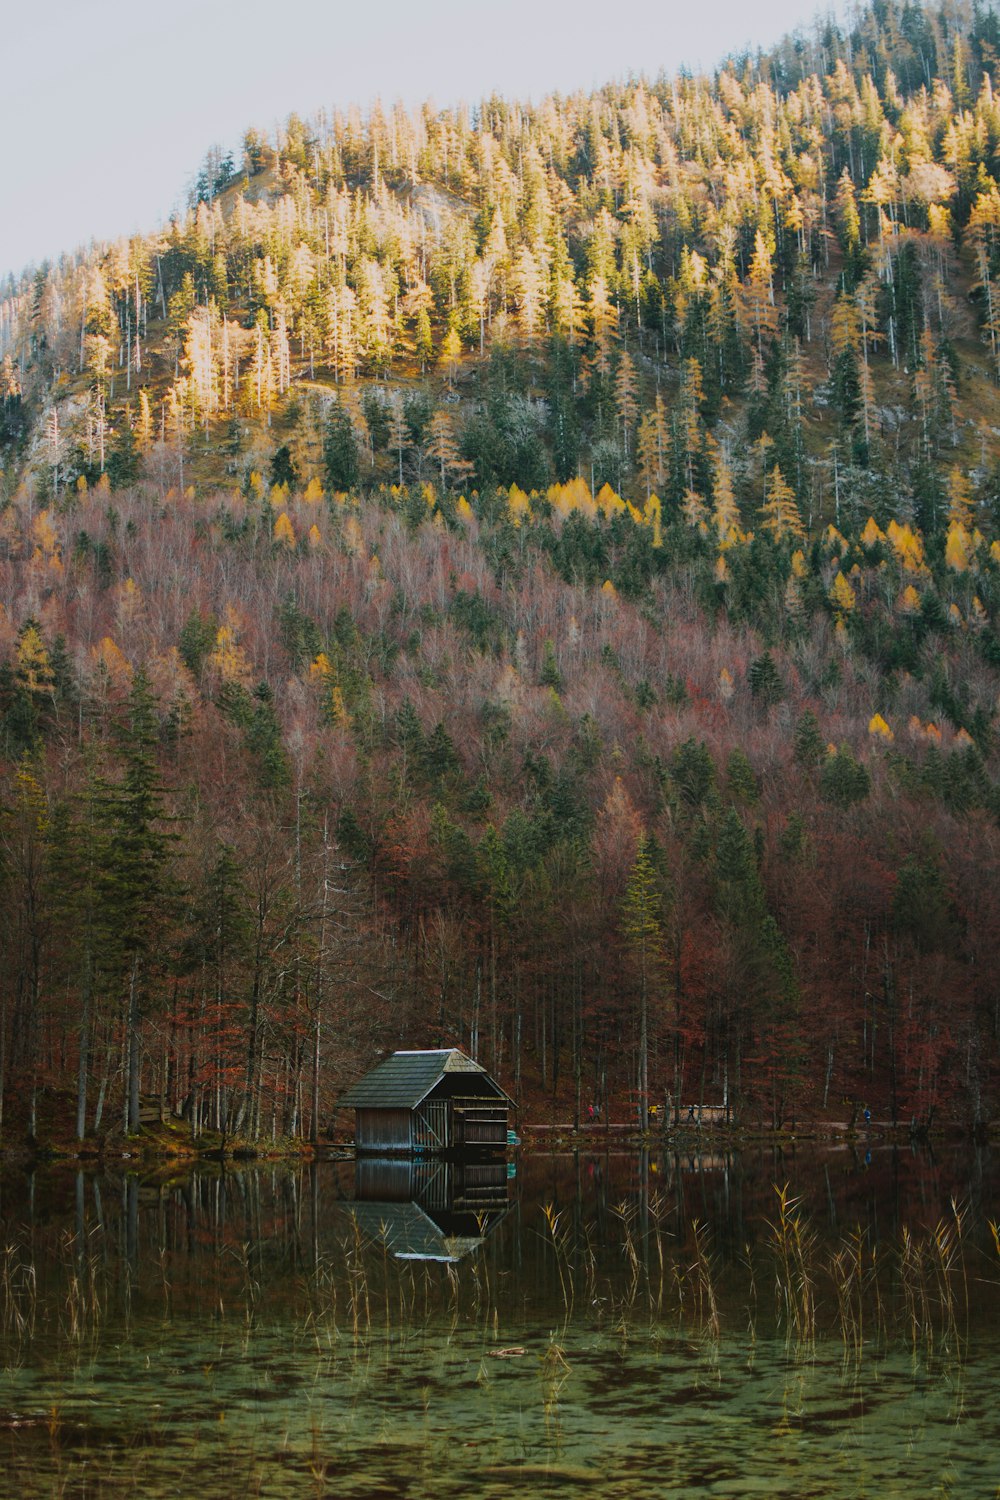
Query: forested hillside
[[522, 577]]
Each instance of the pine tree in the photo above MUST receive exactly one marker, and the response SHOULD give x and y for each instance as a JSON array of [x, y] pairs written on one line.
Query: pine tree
[[25, 920], [843, 779], [550, 675], [222, 940], [642, 929], [73, 880], [423, 339], [340, 450], [133, 884], [766, 685]]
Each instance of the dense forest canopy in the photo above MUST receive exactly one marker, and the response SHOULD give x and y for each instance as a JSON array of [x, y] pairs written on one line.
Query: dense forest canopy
[[523, 577]]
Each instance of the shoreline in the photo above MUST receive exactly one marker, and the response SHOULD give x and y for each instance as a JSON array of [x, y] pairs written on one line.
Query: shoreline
[[708, 1137]]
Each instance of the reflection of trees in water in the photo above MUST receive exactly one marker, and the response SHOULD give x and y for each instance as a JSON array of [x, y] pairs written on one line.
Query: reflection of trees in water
[[251, 1321], [264, 1236]]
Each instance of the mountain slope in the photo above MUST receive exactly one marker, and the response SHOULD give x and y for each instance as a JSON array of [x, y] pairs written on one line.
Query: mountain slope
[[526, 578]]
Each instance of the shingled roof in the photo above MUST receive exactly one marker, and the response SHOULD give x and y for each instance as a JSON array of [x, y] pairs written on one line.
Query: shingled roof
[[410, 1233], [406, 1078]]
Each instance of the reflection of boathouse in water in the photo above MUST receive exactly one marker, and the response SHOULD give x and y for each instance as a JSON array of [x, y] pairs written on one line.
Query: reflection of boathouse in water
[[431, 1208], [435, 1101]]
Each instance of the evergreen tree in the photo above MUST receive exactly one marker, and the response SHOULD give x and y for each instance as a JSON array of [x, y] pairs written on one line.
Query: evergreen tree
[[809, 744], [642, 929], [340, 450], [133, 881], [765, 681], [843, 780]]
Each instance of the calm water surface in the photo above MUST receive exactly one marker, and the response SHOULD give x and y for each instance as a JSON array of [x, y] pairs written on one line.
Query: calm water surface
[[619, 1325]]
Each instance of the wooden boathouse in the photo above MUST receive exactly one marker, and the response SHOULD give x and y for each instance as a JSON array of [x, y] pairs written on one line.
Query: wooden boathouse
[[434, 1101]]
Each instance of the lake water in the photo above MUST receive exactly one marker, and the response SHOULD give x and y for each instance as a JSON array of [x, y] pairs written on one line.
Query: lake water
[[620, 1325]]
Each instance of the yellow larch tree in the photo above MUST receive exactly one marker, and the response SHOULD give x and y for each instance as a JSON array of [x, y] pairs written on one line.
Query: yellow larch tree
[[228, 658], [603, 325], [201, 359], [960, 502], [653, 517], [725, 511], [528, 287], [306, 444], [780, 512], [758, 294], [909, 547], [652, 446], [144, 423], [518, 505], [959, 548], [33, 666], [695, 511], [842, 596], [983, 232], [284, 531], [46, 538], [110, 662], [442, 447], [626, 400], [450, 355]]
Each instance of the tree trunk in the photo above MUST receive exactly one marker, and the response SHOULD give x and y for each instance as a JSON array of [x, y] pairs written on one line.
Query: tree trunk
[[314, 1126], [84, 1054], [644, 1057], [134, 1049]]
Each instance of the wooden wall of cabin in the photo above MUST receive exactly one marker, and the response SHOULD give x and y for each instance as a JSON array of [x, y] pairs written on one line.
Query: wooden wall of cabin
[[459, 1112], [383, 1129], [432, 1125], [479, 1110], [478, 1124]]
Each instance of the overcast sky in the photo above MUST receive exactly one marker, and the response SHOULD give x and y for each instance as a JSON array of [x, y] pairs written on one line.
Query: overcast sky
[[108, 107]]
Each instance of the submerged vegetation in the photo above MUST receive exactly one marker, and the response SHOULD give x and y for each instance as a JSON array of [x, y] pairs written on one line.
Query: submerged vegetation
[[524, 578], [291, 1340]]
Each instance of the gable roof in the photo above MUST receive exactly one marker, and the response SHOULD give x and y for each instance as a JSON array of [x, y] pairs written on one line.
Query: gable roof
[[403, 1080]]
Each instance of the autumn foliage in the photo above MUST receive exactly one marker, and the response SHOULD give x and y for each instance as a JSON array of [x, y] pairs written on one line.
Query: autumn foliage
[[528, 581]]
